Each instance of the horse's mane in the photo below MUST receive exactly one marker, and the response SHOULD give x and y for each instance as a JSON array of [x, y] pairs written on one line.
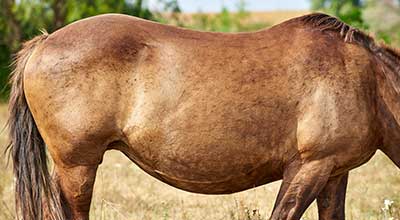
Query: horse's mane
[[387, 55]]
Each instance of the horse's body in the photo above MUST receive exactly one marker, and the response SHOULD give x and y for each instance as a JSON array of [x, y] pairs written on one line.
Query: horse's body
[[210, 112]]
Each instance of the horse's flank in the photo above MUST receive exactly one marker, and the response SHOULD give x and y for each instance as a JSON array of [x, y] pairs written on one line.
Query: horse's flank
[[306, 101]]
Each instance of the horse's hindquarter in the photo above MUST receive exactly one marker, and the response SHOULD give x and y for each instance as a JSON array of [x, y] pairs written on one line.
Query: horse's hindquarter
[[210, 113]]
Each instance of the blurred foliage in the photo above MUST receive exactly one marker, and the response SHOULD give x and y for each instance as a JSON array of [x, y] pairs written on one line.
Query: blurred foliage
[[350, 11], [381, 18]]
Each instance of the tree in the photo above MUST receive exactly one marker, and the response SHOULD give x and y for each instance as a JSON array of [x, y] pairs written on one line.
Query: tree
[[11, 26], [383, 18]]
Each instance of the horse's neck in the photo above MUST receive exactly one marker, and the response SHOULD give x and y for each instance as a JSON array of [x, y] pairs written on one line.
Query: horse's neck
[[388, 103]]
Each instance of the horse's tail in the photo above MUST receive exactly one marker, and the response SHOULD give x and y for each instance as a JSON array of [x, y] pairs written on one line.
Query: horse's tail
[[35, 194]]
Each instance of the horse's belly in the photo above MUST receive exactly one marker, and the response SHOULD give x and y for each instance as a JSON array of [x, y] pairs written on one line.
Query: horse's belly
[[210, 169], [209, 178], [212, 157]]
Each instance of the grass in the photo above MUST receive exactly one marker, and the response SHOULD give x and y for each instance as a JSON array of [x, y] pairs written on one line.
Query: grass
[[226, 21], [270, 17], [124, 192]]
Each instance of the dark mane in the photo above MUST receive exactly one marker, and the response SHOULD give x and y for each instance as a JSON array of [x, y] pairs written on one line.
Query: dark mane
[[324, 22], [387, 55]]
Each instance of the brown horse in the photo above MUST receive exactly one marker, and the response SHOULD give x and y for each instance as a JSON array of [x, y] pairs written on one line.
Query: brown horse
[[304, 101]]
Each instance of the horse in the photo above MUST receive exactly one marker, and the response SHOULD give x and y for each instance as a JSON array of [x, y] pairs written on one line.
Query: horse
[[304, 101]]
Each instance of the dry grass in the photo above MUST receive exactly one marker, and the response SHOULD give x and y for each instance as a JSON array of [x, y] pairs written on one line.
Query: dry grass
[[270, 17], [124, 192], [275, 17]]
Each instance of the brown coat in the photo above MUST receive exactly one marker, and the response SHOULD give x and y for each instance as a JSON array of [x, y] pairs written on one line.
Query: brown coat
[[304, 101]]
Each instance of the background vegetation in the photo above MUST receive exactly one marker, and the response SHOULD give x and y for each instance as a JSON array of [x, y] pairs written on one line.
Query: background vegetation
[[123, 191]]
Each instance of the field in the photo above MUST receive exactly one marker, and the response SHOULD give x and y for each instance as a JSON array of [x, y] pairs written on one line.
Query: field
[[124, 192], [271, 18]]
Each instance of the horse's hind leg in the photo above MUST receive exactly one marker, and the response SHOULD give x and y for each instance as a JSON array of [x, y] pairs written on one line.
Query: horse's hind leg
[[301, 184], [76, 187], [331, 200], [75, 166]]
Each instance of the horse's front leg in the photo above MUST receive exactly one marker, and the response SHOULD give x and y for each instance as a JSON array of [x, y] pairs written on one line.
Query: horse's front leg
[[331, 200], [302, 183], [76, 188]]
